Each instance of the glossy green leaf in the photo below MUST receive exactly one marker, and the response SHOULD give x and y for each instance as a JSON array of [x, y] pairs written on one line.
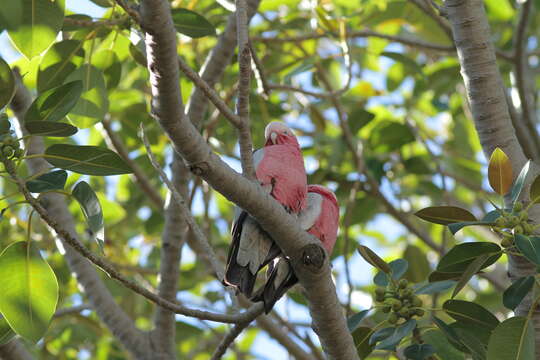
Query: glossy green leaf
[[515, 191], [398, 268], [445, 215], [93, 103], [7, 83], [529, 247], [58, 63], [517, 291], [419, 267], [361, 341], [358, 118], [190, 23], [534, 193], [107, 61], [41, 21], [443, 348], [10, 15], [353, 322], [440, 276], [460, 256], [469, 272], [470, 313], [418, 351], [91, 209], [49, 128], [389, 136], [89, 160], [470, 341], [512, 339], [6, 333], [409, 63], [5, 125], [55, 180], [455, 227], [29, 290], [500, 173], [374, 259], [393, 340], [434, 287], [448, 332], [55, 103]]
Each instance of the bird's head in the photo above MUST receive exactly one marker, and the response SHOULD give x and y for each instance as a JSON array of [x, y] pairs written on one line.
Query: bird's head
[[277, 133]]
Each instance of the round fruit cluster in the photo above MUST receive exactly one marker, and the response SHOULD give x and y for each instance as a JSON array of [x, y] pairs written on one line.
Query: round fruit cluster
[[513, 223], [10, 147], [399, 301]]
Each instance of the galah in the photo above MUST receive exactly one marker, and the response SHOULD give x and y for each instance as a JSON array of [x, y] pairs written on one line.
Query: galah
[[320, 218], [279, 168]]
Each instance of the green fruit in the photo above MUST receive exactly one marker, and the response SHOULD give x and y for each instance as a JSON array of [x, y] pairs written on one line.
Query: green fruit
[[393, 318], [500, 222], [403, 312], [403, 283], [506, 242], [518, 206], [386, 309], [420, 312], [7, 150], [514, 220], [397, 305], [417, 302], [380, 291], [518, 229]]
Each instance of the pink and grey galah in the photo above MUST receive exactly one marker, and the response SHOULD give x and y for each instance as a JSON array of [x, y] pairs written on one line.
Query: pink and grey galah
[[279, 168], [320, 218]]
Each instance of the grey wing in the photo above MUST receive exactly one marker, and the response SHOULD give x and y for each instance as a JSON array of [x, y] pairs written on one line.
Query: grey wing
[[254, 245], [308, 216]]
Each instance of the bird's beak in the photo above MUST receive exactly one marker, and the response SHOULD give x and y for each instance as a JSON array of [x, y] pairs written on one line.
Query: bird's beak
[[273, 137]]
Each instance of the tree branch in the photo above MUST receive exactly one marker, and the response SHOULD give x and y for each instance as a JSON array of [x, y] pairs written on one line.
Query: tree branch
[[14, 350], [309, 259], [99, 296]]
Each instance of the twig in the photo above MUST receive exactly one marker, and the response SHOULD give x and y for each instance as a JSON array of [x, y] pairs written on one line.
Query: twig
[[521, 70], [244, 80], [72, 310], [134, 14], [260, 76], [186, 214], [232, 335], [209, 92], [92, 24], [112, 272], [138, 173]]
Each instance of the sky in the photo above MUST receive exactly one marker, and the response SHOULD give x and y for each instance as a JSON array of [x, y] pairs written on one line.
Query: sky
[[264, 345]]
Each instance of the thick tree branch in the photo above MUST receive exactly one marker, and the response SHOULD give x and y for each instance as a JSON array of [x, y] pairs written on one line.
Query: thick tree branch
[[310, 261], [14, 350], [99, 296], [173, 238]]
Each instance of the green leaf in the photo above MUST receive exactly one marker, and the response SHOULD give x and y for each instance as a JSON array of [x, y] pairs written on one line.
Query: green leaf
[[460, 256], [398, 267], [434, 287], [439, 276], [381, 334], [418, 264], [88, 160], [409, 63], [470, 340], [91, 209], [374, 259], [49, 128], [190, 23], [358, 118], [529, 247], [500, 172], [470, 313], [354, 321], [512, 339], [93, 104], [7, 83], [449, 332], [534, 193], [455, 227], [10, 15], [443, 348], [107, 61], [41, 21], [55, 103], [419, 351], [469, 272], [5, 125], [392, 341], [6, 333], [55, 180], [492, 216], [389, 136], [361, 340], [29, 290], [515, 191], [517, 291], [58, 63], [445, 215]]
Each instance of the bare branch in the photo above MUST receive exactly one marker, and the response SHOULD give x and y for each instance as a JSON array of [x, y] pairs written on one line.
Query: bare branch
[[72, 310], [209, 253], [14, 350], [260, 76], [314, 274]]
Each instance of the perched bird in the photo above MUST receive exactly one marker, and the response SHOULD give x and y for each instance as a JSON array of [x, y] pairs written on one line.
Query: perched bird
[[320, 218], [279, 167]]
